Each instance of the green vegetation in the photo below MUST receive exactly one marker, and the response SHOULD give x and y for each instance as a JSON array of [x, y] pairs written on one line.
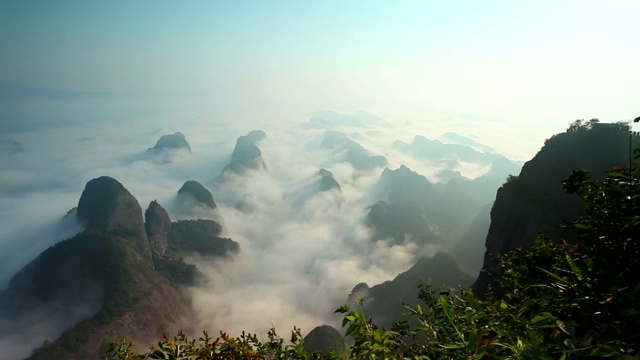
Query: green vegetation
[[563, 300], [177, 271], [200, 236]]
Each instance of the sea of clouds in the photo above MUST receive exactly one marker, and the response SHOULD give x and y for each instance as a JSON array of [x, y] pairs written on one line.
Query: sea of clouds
[[301, 251]]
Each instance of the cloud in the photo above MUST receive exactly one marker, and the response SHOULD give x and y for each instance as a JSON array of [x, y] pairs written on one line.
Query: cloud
[[302, 251]]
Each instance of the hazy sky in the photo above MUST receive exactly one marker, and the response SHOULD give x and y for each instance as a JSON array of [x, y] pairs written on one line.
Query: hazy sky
[[536, 65]]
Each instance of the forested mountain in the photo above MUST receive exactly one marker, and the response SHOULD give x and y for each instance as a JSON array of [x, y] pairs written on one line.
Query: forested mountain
[[384, 303], [118, 277]]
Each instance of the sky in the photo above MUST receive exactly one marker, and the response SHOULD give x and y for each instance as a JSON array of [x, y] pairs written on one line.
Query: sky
[[534, 65]]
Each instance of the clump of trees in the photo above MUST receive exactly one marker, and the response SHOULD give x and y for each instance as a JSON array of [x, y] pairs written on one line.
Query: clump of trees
[[563, 300]]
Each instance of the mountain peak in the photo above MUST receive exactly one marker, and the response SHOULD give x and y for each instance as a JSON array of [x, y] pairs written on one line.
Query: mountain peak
[[158, 225], [106, 206], [199, 193], [173, 141], [246, 154]]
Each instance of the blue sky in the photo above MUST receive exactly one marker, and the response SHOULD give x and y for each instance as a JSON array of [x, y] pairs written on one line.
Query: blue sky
[[520, 61]]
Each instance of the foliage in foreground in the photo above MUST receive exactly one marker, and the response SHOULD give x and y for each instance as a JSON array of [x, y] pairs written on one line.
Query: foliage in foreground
[[564, 301]]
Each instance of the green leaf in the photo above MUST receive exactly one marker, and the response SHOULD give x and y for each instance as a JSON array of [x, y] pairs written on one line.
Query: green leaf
[[445, 306], [473, 340], [576, 270], [566, 328], [556, 277], [615, 174], [580, 227], [541, 317]]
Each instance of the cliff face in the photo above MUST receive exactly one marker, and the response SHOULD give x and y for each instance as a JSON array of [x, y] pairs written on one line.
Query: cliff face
[[158, 226], [534, 202]]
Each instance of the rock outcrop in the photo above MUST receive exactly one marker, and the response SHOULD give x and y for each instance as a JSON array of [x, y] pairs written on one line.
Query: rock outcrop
[[246, 154], [158, 227], [108, 208], [175, 141], [325, 339], [194, 190], [327, 181]]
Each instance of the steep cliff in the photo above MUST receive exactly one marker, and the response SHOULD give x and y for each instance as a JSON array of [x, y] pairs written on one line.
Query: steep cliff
[[534, 201], [158, 226]]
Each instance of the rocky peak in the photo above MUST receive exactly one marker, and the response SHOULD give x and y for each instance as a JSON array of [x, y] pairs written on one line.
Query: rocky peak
[[327, 181], [158, 226], [325, 339], [246, 154], [198, 192], [256, 135], [173, 141], [107, 207], [407, 185]]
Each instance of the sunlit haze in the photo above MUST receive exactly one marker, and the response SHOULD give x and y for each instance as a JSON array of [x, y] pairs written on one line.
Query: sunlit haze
[[533, 67]]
